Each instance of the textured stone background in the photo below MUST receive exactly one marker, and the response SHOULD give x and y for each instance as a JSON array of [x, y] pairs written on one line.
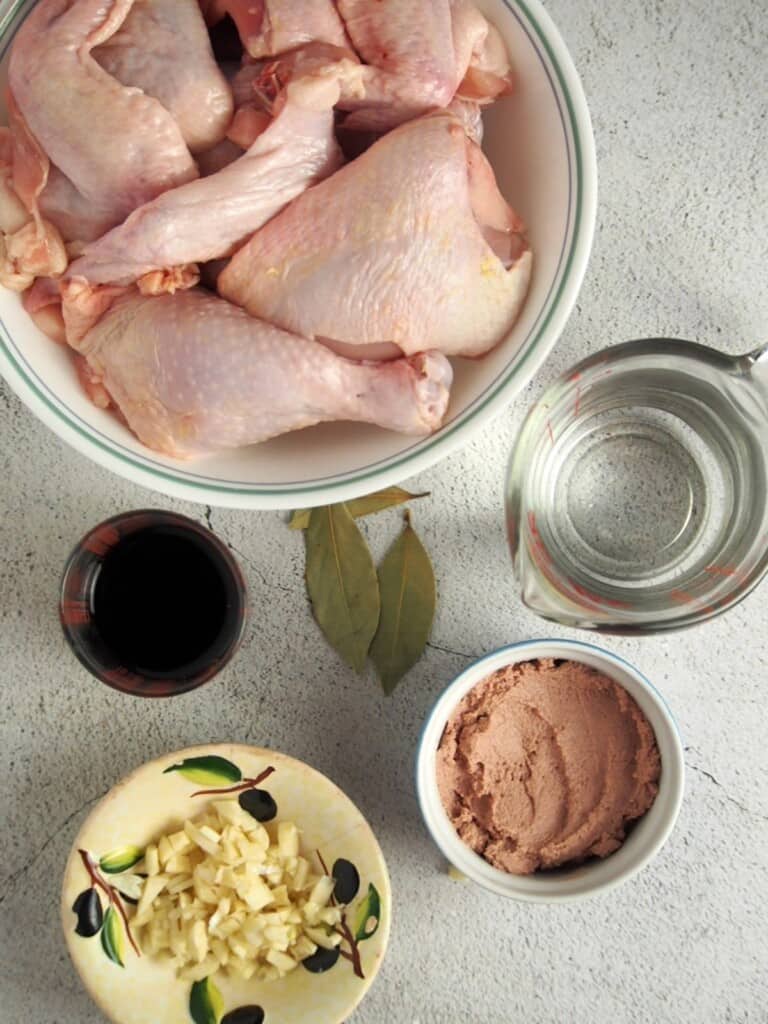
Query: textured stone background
[[678, 95]]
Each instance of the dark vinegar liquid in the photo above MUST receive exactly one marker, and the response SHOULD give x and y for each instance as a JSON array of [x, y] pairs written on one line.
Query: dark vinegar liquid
[[160, 601]]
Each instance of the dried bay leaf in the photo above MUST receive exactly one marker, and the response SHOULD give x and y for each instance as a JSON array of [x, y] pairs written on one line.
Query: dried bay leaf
[[300, 519], [365, 506], [379, 500], [341, 582], [408, 597]]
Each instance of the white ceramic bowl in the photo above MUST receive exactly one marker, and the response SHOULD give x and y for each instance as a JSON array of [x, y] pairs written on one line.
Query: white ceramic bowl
[[541, 146], [564, 885]]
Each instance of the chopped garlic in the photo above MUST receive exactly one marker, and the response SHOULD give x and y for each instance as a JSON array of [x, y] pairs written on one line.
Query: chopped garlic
[[225, 893], [151, 861]]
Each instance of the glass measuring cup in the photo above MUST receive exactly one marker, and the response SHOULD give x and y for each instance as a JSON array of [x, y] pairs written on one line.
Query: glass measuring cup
[[636, 493]]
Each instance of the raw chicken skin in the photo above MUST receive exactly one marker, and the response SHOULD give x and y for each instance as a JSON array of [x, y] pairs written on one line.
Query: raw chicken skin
[[192, 374], [270, 27], [408, 52], [117, 146], [208, 218], [77, 218], [487, 73], [30, 245], [163, 48], [412, 243], [417, 57]]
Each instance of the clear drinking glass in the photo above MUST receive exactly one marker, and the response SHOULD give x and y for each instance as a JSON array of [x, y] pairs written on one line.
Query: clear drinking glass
[[636, 494]]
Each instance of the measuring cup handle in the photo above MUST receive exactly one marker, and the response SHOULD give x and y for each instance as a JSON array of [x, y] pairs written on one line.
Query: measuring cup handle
[[755, 365]]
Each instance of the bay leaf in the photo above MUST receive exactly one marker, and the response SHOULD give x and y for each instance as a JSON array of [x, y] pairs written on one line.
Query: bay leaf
[[300, 519], [365, 506], [407, 588], [341, 582]]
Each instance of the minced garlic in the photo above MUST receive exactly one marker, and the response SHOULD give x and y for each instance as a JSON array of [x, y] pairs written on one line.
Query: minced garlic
[[224, 893]]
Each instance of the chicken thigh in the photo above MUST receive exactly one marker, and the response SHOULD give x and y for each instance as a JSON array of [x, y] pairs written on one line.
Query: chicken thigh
[[118, 147], [412, 243], [192, 374], [163, 49]]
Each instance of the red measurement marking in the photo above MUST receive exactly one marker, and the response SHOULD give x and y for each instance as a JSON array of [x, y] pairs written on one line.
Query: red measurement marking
[[575, 376], [681, 596], [720, 570], [596, 598], [551, 435], [605, 373]]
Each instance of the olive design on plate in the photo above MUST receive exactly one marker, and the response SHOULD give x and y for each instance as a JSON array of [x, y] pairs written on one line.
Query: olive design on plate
[[90, 916], [206, 1006], [244, 1015], [259, 804], [322, 960], [347, 879]]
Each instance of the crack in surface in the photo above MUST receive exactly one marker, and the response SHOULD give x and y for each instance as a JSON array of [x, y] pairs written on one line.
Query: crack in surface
[[726, 796], [448, 650], [244, 558], [11, 880], [259, 572]]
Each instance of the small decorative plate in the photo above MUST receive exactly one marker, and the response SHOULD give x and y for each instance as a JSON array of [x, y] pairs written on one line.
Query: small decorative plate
[[131, 988]]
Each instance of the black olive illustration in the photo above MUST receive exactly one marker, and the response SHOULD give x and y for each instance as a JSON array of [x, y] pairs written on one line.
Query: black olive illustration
[[244, 1015], [347, 881], [322, 960], [90, 918], [259, 804]]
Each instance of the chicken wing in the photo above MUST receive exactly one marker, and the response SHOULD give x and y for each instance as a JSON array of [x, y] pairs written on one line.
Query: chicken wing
[[207, 219]]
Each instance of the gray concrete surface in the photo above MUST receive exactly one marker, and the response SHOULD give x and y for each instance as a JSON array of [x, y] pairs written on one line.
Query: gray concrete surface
[[678, 94]]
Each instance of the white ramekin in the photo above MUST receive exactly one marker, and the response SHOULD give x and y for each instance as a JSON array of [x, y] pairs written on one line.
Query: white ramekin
[[567, 884]]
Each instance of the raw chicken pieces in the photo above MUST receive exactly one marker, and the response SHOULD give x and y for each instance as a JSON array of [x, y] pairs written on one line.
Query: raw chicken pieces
[[418, 56], [192, 374], [415, 56], [413, 239], [163, 49], [117, 146], [270, 27], [342, 287], [208, 218]]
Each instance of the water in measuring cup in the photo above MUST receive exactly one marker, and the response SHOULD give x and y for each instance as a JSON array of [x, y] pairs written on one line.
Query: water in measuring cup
[[642, 484]]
